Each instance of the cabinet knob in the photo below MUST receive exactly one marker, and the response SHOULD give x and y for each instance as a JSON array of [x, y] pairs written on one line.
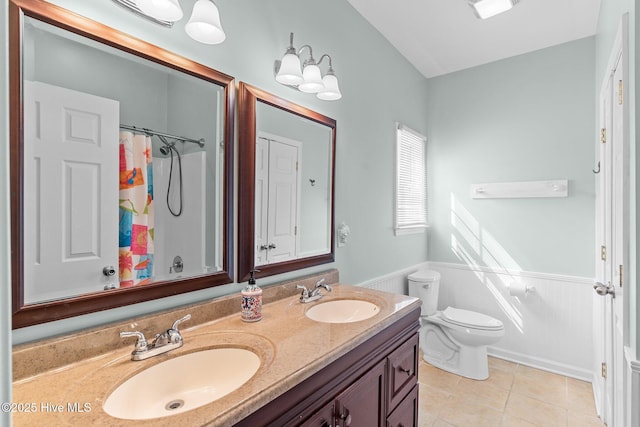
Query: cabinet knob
[[346, 419], [406, 371]]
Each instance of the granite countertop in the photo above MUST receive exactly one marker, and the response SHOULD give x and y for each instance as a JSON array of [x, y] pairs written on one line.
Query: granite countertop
[[291, 347]]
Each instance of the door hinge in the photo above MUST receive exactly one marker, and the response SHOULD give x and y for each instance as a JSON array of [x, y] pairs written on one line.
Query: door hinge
[[603, 135], [619, 92], [603, 370], [620, 274], [603, 253]]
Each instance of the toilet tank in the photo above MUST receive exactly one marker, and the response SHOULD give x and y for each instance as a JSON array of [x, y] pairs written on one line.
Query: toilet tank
[[425, 284]]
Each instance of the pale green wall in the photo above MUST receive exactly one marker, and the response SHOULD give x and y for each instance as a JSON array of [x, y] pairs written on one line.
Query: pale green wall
[[525, 118], [378, 89]]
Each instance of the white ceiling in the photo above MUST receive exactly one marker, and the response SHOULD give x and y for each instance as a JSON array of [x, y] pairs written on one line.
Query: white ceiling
[[443, 36]]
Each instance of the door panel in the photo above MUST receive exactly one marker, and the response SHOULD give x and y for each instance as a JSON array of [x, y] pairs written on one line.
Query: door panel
[[70, 143]]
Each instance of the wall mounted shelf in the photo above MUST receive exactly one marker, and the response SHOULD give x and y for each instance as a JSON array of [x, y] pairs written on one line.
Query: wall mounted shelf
[[526, 189]]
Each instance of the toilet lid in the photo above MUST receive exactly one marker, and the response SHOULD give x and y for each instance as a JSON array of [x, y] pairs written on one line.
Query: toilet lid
[[470, 319], [424, 276]]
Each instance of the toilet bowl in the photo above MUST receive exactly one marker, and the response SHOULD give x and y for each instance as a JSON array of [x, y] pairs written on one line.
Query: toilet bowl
[[453, 339]]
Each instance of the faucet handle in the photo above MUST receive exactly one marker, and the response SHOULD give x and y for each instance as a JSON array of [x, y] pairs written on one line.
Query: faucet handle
[[141, 343], [177, 322], [305, 291]]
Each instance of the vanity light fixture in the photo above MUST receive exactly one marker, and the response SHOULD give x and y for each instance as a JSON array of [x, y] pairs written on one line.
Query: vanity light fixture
[[204, 25], [308, 77], [162, 10], [487, 8]]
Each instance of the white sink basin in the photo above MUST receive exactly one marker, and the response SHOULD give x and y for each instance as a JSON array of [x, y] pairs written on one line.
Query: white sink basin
[[342, 311], [181, 384]]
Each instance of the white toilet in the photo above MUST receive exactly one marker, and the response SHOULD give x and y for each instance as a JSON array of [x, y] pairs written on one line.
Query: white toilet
[[453, 339]]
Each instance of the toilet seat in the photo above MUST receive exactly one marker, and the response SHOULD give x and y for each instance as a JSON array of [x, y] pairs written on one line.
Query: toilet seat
[[470, 319]]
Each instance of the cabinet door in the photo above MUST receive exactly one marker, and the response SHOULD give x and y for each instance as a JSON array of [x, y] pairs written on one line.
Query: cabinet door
[[322, 418], [363, 403], [402, 370], [406, 414]]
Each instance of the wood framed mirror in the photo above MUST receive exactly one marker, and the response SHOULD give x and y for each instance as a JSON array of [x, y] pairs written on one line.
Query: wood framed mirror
[[286, 185], [69, 166]]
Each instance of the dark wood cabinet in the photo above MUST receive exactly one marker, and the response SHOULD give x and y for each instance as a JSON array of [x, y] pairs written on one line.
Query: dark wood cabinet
[[402, 371], [362, 404], [375, 384], [406, 414]]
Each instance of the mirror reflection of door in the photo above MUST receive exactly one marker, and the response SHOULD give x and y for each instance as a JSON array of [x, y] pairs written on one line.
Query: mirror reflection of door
[[71, 193], [278, 171]]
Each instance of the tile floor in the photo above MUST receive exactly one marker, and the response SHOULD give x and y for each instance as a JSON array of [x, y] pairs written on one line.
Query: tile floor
[[513, 396]]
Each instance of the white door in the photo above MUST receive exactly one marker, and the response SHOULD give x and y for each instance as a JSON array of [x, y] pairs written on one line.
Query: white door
[[283, 201], [612, 231], [277, 199], [71, 191]]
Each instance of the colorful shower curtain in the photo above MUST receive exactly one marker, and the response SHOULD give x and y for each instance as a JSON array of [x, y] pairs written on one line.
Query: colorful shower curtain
[[136, 210]]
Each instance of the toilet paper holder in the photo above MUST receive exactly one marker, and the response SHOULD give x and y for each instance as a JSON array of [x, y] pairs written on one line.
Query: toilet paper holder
[[517, 289]]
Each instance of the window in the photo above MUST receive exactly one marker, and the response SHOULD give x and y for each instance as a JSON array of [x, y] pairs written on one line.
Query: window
[[411, 181]]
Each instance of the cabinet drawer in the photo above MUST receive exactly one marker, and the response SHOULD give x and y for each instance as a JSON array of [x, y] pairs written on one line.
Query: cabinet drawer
[[406, 414], [402, 370]]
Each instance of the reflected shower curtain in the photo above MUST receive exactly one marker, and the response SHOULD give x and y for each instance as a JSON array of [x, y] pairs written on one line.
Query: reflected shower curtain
[[136, 210]]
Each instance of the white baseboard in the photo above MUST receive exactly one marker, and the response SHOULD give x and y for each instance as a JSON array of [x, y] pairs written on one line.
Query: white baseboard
[[540, 363]]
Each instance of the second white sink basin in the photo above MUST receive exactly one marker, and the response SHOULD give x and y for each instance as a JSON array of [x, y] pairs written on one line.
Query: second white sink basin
[[342, 311], [182, 383]]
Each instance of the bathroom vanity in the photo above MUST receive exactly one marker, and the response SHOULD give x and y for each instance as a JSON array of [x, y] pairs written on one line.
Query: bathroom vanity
[[311, 373]]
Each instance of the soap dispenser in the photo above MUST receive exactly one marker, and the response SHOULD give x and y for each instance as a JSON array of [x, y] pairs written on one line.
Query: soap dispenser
[[252, 300]]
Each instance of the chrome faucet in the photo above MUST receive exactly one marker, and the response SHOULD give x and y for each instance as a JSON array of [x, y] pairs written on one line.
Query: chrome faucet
[[167, 341], [314, 294]]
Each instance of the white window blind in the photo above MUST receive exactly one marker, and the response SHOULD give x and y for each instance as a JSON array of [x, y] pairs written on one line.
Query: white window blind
[[411, 181]]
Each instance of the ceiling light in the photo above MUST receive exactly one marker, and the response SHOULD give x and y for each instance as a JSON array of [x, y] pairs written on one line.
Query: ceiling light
[[307, 78], [487, 8]]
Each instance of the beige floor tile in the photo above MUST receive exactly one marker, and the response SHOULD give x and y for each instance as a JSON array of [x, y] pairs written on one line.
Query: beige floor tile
[[541, 385], [500, 378], [432, 399], [513, 396], [425, 419], [535, 411], [580, 397], [483, 392], [581, 420], [463, 412], [435, 377], [511, 421], [501, 364]]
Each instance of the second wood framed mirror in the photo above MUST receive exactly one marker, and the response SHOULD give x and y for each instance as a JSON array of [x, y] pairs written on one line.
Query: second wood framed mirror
[[286, 185]]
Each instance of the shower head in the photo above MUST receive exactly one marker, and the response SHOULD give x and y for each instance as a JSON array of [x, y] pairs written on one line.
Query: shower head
[[165, 150]]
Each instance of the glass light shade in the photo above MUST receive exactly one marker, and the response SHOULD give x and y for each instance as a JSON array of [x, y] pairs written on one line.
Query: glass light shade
[[331, 92], [204, 25], [312, 79], [289, 72], [488, 8], [164, 10]]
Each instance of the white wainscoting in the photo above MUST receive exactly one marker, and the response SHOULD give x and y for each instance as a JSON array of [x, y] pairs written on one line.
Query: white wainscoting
[[633, 389], [550, 328]]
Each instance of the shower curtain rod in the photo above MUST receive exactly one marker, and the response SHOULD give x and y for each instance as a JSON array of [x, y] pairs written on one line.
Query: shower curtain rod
[[150, 132]]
